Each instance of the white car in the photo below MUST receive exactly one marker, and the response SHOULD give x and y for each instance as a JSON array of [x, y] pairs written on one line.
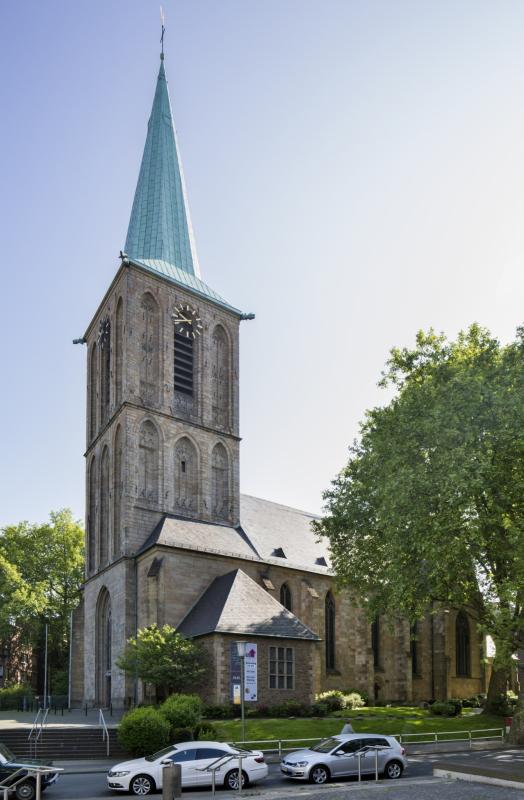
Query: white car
[[144, 775]]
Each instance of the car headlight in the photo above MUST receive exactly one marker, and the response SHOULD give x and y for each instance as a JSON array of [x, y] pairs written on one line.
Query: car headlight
[[118, 774], [300, 764]]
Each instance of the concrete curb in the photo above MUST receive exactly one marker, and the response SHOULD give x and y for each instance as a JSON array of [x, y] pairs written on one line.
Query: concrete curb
[[463, 773]]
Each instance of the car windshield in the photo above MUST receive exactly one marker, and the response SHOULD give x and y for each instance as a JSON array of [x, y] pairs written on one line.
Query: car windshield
[[6, 754], [166, 751], [326, 745]]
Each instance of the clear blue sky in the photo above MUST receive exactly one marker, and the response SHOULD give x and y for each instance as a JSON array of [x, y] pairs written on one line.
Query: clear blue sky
[[355, 172]]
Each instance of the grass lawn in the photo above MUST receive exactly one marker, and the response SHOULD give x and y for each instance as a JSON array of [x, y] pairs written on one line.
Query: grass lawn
[[393, 721]]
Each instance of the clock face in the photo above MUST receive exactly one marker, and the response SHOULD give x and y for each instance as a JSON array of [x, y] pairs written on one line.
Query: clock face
[[187, 322]]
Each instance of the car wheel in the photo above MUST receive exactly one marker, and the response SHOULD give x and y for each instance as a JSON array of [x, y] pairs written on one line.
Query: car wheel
[[394, 769], [319, 774], [231, 780], [25, 791], [142, 785]]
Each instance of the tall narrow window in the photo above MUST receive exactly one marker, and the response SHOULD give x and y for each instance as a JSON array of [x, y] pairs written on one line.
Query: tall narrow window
[[462, 644], [186, 476], [119, 345], [91, 518], [415, 654], [93, 394], [375, 642], [104, 340], [118, 490], [103, 548], [148, 462], [103, 648], [330, 630], [285, 597], [220, 377], [220, 482], [150, 350], [184, 363], [281, 667]]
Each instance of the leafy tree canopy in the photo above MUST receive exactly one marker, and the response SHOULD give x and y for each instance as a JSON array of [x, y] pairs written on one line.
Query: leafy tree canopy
[[166, 659], [430, 506]]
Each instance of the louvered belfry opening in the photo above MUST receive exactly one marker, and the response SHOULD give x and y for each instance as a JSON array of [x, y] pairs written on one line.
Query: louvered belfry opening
[[184, 362]]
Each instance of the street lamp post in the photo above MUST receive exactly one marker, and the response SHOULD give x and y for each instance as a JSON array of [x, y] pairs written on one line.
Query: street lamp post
[[241, 650]]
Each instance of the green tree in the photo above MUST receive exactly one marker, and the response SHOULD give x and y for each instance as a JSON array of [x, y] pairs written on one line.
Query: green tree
[[49, 560], [166, 659], [430, 507], [183, 711]]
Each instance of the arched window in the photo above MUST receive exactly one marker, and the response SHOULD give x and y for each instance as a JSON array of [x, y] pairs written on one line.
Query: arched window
[[375, 642], [415, 649], [104, 341], [103, 648], [119, 345], [220, 482], [150, 350], [148, 466], [330, 630], [118, 489], [285, 597], [93, 375], [462, 645], [184, 365], [103, 548], [91, 518], [220, 377], [186, 476]]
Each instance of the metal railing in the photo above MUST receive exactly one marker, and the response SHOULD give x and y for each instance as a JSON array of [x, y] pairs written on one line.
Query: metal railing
[[218, 763], [37, 730], [105, 732], [281, 746], [10, 783]]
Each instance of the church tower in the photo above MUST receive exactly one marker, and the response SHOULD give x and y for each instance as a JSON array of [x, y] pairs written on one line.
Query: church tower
[[162, 406]]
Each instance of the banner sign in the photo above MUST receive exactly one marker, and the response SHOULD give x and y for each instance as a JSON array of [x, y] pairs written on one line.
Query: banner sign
[[250, 674]]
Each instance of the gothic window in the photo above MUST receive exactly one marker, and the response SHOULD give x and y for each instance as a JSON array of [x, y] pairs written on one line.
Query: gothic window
[[104, 340], [184, 364], [103, 648], [92, 392], [285, 597], [375, 642], [119, 344], [104, 509], [462, 645], [91, 518], [148, 466], [220, 482], [220, 377], [149, 350], [118, 486], [186, 476], [415, 649], [330, 630]]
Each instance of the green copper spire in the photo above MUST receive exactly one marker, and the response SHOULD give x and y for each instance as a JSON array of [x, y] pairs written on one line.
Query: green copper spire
[[160, 226]]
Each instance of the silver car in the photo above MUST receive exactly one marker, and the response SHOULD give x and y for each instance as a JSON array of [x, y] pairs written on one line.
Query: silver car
[[339, 756]]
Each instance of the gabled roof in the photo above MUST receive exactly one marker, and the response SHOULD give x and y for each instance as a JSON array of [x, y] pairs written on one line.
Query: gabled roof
[[234, 603]]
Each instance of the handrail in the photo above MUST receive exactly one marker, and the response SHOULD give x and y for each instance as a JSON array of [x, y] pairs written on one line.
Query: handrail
[[220, 762], [37, 729], [27, 770], [105, 732]]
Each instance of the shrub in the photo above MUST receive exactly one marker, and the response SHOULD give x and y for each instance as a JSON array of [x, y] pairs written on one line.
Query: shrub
[[226, 711], [457, 705], [334, 700], [291, 708], [362, 692], [319, 710], [353, 701], [261, 710], [443, 709], [182, 711], [143, 731], [205, 732], [12, 697], [504, 704]]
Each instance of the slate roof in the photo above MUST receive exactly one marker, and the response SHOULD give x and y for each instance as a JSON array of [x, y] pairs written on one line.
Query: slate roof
[[234, 603], [266, 531]]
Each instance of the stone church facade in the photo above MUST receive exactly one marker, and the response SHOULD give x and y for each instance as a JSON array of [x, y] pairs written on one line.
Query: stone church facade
[[169, 537]]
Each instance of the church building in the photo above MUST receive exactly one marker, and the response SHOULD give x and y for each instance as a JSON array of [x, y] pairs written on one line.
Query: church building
[[169, 537]]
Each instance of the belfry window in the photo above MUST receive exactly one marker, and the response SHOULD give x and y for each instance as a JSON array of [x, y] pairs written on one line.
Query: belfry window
[[184, 364]]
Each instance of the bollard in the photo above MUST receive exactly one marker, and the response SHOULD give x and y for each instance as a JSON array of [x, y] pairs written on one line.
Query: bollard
[[376, 763], [359, 756], [171, 781], [38, 786]]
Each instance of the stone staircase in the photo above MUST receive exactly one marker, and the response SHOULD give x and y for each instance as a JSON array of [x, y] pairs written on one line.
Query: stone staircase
[[60, 743]]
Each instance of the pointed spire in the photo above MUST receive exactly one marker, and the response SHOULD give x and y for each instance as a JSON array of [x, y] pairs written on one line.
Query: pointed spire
[[160, 226]]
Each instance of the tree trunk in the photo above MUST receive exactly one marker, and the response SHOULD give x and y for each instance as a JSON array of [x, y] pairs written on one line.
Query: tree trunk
[[498, 684], [516, 734]]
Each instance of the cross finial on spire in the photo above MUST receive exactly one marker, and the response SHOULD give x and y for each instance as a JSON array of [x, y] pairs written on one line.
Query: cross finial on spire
[[162, 22]]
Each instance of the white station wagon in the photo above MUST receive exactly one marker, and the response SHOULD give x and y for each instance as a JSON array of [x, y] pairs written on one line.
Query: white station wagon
[[142, 776]]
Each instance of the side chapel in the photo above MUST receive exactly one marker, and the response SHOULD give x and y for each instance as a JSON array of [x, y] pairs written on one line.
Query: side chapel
[[169, 537]]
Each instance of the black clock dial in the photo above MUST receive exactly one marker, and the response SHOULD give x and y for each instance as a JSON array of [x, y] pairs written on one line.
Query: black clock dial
[[187, 322]]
